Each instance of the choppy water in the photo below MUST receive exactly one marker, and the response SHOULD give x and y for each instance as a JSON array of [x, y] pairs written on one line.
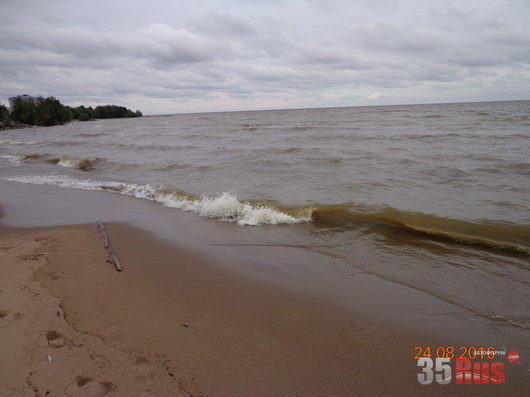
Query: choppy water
[[432, 196]]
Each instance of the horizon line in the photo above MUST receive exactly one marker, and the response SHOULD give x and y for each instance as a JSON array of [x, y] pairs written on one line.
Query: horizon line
[[335, 107]]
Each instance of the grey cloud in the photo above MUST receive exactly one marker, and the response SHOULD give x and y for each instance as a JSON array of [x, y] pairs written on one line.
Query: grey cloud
[[227, 24], [175, 56], [384, 36], [158, 42]]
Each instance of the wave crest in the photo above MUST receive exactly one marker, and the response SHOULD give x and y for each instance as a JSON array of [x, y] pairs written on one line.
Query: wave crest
[[15, 142], [227, 207], [19, 159], [493, 234], [84, 164]]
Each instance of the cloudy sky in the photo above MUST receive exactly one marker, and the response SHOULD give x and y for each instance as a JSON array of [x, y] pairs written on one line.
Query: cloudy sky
[[172, 56]]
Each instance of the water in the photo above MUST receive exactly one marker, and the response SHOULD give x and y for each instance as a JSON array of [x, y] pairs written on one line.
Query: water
[[431, 196]]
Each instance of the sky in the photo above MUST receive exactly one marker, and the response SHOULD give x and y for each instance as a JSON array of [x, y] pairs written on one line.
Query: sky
[[179, 56]]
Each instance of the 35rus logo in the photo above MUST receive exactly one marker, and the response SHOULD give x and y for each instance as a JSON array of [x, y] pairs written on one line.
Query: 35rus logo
[[467, 371]]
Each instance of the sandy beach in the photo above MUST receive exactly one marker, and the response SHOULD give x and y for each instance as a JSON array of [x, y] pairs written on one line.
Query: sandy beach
[[173, 323]]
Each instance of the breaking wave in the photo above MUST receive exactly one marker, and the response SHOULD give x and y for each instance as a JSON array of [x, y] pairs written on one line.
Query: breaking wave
[[15, 142], [493, 234], [12, 158], [227, 207], [84, 164], [19, 159]]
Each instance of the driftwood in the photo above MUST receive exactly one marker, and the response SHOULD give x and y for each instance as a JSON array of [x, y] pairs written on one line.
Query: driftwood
[[111, 256]]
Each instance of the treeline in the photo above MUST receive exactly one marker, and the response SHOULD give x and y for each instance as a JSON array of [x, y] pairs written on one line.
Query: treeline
[[5, 118], [50, 111], [83, 113]]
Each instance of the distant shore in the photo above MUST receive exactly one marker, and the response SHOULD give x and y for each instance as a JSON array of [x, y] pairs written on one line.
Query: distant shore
[[39, 111], [19, 126]]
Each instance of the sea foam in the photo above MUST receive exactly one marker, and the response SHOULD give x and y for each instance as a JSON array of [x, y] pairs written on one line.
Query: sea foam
[[13, 159], [15, 142], [227, 207], [84, 164]]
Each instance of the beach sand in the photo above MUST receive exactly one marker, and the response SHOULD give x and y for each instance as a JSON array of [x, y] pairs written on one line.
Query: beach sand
[[174, 323]]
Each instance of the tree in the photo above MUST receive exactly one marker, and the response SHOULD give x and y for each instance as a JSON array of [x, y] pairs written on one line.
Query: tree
[[39, 111], [23, 110], [114, 111], [51, 112], [83, 117], [5, 119]]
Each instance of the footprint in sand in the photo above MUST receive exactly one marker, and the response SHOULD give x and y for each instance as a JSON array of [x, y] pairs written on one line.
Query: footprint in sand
[[30, 291], [55, 339], [52, 275], [87, 386], [8, 316], [144, 371], [34, 257]]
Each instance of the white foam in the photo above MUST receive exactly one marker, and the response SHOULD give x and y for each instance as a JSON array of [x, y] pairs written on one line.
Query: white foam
[[225, 207], [65, 162], [13, 159], [81, 163], [59, 180], [14, 142]]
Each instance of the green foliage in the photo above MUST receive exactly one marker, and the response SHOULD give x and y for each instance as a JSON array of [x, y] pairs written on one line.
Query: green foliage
[[49, 111], [5, 119], [114, 111], [52, 112], [39, 111], [103, 112], [82, 113], [23, 110], [83, 117]]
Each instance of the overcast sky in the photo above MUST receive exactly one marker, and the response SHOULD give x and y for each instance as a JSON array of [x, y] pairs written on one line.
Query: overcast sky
[[172, 56]]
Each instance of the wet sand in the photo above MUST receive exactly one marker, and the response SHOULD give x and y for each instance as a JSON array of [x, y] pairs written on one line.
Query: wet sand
[[175, 323]]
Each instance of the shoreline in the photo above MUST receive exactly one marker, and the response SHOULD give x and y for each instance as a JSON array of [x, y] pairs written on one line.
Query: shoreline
[[176, 323], [21, 126], [18, 126]]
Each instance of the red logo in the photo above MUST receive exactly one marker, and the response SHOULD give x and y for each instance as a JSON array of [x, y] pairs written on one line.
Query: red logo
[[513, 356], [479, 372]]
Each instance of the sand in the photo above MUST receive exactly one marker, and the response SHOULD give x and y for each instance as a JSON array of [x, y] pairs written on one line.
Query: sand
[[174, 323]]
